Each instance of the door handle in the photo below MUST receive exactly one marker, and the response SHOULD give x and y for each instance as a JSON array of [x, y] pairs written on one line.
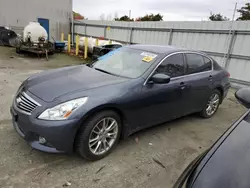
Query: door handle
[[182, 86], [210, 78]]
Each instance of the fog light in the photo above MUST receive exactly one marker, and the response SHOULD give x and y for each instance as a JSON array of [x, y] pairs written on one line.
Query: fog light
[[42, 140]]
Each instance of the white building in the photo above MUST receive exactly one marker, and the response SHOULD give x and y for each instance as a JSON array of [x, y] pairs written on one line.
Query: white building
[[54, 15]]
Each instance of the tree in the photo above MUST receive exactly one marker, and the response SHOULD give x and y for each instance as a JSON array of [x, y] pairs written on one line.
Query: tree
[[151, 17], [102, 17], [124, 18], [244, 12], [116, 16], [109, 17], [218, 17]]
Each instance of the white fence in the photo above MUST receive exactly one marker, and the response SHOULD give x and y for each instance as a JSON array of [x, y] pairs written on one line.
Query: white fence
[[227, 42]]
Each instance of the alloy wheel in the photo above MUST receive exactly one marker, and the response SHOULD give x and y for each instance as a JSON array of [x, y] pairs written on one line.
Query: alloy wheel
[[103, 136], [213, 104]]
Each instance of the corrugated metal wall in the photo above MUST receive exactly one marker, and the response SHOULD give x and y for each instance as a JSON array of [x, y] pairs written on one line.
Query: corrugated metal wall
[[17, 14], [227, 42]]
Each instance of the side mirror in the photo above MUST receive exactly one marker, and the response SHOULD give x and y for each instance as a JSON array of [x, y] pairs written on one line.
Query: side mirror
[[243, 96], [160, 79]]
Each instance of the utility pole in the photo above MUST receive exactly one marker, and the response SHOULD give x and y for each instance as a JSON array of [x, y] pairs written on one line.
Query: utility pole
[[229, 41], [129, 31], [235, 8]]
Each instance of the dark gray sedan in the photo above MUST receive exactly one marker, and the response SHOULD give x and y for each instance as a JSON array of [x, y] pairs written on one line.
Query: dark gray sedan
[[88, 108]]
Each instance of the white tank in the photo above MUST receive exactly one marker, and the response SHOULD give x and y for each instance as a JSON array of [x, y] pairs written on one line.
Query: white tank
[[92, 43], [33, 32]]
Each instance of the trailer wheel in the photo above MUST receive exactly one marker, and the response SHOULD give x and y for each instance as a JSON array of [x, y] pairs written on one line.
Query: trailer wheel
[[18, 51]]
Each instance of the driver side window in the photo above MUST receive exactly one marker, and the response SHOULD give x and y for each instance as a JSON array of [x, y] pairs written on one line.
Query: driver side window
[[172, 66]]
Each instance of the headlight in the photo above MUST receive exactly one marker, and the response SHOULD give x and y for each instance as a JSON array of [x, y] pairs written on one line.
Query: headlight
[[20, 87], [64, 110]]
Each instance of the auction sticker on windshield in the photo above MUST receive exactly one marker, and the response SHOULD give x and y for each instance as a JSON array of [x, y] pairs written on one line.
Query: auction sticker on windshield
[[147, 59], [148, 56]]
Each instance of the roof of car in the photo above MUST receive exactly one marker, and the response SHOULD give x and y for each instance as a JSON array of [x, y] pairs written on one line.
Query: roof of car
[[162, 49]]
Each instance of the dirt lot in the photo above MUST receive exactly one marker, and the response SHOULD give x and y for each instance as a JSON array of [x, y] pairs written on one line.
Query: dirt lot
[[175, 143]]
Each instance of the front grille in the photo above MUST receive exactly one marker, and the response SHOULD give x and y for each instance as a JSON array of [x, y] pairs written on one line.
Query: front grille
[[26, 103]]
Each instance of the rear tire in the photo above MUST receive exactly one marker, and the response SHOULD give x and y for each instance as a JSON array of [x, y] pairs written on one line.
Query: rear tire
[[104, 140], [212, 104]]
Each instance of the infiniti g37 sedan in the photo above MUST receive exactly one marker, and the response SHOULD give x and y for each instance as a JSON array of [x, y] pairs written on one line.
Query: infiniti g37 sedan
[[87, 108]]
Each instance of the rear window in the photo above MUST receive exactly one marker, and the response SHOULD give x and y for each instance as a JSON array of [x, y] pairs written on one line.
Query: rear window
[[216, 66], [207, 63], [197, 63]]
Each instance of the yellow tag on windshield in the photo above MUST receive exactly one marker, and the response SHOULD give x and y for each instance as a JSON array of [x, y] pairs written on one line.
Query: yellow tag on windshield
[[147, 59]]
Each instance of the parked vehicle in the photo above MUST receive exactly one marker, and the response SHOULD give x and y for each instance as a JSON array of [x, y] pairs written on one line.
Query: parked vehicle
[[102, 50], [227, 162], [6, 35], [92, 43], [88, 108], [35, 40]]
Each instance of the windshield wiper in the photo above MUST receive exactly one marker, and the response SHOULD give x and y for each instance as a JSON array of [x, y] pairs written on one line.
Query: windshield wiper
[[101, 70], [111, 73]]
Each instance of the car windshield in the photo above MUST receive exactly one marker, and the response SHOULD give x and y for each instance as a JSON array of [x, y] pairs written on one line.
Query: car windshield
[[125, 62]]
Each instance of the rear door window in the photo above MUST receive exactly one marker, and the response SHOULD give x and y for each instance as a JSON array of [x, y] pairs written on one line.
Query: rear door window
[[197, 63]]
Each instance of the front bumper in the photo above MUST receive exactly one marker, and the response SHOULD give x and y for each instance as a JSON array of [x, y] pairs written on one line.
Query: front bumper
[[60, 135]]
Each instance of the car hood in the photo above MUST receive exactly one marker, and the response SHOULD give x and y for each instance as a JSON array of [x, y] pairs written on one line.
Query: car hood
[[51, 84]]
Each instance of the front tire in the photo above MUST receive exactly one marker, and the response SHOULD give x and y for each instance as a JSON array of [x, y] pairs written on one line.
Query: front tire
[[99, 135], [212, 104]]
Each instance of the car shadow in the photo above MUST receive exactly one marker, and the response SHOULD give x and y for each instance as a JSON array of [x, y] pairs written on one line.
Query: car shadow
[[166, 125]]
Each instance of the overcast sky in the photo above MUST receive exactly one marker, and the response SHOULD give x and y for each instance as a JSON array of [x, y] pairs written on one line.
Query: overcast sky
[[172, 10]]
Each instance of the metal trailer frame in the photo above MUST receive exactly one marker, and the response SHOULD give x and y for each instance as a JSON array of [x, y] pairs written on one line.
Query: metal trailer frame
[[39, 48]]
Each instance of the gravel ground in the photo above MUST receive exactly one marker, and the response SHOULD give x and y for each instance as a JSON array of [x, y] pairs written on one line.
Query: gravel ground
[[131, 164]]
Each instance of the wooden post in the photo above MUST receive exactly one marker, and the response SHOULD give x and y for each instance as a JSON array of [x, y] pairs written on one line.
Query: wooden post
[[97, 42], [69, 44], [86, 48], [77, 44], [62, 37]]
